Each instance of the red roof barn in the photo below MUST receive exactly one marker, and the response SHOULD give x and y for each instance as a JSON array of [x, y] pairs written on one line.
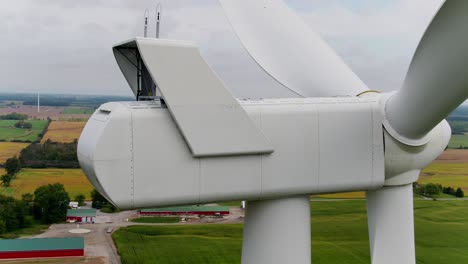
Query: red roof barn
[[41, 248], [81, 215]]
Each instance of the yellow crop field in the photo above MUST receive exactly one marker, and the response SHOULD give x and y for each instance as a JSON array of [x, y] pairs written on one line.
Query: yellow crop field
[[447, 174], [63, 131], [27, 180], [10, 149]]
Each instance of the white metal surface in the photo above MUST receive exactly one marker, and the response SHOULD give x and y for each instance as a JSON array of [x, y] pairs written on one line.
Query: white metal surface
[[289, 50], [403, 163], [391, 225], [436, 82], [208, 116], [105, 148], [277, 231], [309, 135]]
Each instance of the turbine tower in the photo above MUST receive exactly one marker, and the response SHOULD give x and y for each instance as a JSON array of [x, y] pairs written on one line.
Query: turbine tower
[[198, 144]]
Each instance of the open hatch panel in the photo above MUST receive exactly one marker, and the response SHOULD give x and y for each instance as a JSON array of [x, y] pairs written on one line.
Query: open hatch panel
[[208, 116]]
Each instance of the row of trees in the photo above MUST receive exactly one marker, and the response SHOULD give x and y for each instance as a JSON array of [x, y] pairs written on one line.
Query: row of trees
[[47, 205], [457, 193], [50, 154], [49, 101], [13, 214], [432, 189], [14, 116]]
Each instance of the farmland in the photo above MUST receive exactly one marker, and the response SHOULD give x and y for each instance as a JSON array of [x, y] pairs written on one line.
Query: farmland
[[457, 141], [28, 180], [453, 156], [450, 169], [191, 244], [53, 112], [55, 106], [447, 174], [8, 131], [10, 149], [63, 131], [339, 235], [78, 111]]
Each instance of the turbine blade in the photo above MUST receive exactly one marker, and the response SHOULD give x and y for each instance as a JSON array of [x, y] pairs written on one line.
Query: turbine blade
[[437, 79], [391, 225], [288, 50]]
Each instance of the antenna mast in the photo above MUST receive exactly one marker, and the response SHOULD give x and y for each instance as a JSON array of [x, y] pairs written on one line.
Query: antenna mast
[[158, 19], [145, 30], [158, 22]]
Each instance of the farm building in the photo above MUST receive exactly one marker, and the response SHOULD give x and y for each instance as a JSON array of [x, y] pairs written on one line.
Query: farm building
[[41, 248], [81, 215], [187, 210]]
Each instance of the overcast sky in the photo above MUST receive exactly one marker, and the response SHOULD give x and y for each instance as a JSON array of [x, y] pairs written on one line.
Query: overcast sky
[[64, 46]]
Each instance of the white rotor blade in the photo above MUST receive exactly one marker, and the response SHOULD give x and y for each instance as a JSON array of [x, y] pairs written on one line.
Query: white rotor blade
[[287, 49], [437, 79], [391, 225]]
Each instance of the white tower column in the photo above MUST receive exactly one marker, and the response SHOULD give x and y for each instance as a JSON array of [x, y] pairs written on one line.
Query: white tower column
[[391, 225], [277, 231]]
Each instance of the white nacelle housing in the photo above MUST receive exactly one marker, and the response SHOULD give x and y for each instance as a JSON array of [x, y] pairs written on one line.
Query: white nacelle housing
[[135, 155]]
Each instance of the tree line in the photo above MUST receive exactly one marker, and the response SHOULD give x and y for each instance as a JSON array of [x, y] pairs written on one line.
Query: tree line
[[50, 154], [47, 205], [432, 189], [14, 116]]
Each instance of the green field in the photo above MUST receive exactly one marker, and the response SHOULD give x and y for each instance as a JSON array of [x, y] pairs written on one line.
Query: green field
[[233, 203], [458, 140], [78, 110], [179, 244], [8, 131], [156, 220], [339, 235]]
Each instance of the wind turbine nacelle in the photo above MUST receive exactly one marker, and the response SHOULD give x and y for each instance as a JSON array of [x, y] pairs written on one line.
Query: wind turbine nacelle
[[136, 156]]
